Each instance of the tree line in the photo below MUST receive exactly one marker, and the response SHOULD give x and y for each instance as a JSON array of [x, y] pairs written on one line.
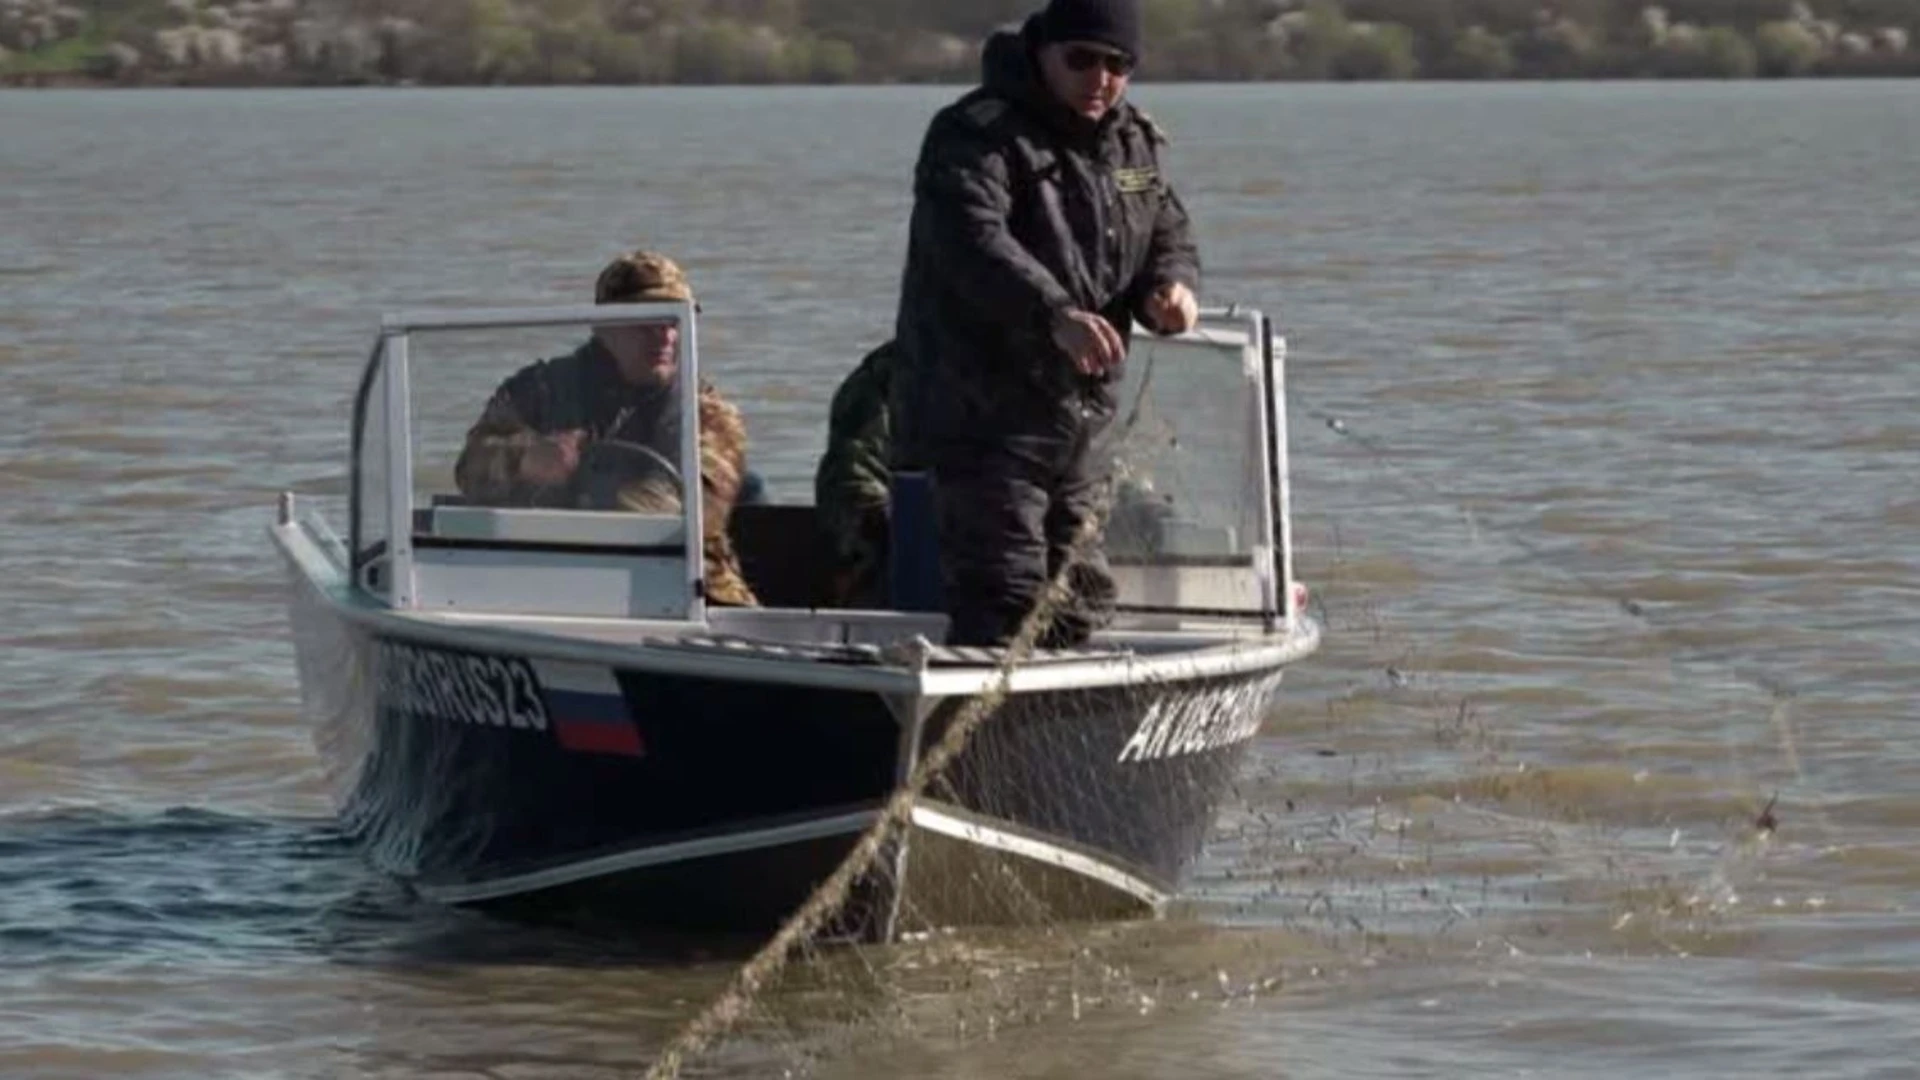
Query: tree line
[[331, 42]]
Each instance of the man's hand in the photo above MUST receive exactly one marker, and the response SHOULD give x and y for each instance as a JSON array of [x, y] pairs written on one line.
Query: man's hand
[[1172, 309], [1090, 341], [552, 459]]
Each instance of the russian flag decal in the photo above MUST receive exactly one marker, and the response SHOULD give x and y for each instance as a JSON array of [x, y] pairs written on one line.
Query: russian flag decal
[[588, 712]]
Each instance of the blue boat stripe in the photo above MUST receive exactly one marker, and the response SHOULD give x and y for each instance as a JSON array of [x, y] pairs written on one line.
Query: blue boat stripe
[[569, 706]]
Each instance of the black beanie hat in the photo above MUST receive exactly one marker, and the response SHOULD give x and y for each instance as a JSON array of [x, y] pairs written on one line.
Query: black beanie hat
[[1108, 22]]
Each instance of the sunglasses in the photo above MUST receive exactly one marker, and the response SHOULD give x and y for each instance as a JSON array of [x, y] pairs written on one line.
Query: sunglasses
[[1083, 58]]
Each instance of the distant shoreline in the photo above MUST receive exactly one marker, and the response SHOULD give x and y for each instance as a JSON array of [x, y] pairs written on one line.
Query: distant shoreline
[[30, 81], [273, 43]]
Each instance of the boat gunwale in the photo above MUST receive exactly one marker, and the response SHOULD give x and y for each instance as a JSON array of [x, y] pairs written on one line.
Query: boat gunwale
[[297, 538]]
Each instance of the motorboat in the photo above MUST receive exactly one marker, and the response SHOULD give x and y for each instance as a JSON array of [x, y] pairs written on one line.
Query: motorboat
[[538, 708]]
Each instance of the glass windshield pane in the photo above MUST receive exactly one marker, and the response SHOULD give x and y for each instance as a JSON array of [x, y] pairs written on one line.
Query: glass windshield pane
[[575, 418], [370, 467], [1185, 529]]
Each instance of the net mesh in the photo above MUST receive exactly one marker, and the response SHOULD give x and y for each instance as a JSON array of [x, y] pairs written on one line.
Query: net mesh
[[1457, 811], [1402, 800], [1178, 505], [1184, 525]]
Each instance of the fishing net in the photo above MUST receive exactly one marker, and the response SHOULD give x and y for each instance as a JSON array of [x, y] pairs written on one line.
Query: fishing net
[[979, 936], [1400, 799]]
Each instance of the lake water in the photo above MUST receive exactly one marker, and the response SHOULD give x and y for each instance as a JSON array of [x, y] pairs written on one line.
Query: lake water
[[1603, 443]]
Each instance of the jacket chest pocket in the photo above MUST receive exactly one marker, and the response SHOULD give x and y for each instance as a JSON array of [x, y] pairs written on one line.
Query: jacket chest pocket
[[1060, 194], [1136, 194], [1138, 191], [1057, 215]]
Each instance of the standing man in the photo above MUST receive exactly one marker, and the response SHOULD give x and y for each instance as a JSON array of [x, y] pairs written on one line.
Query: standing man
[[1042, 229]]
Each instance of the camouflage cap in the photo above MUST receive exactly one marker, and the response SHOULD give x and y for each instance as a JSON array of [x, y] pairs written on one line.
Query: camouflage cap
[[641, 275]]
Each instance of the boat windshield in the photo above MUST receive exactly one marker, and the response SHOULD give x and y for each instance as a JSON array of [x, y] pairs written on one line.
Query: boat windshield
[[1193, 529], [559, 418], [533, 430]]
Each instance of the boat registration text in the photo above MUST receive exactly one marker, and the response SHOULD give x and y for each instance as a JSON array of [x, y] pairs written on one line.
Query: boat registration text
[[465, 688]]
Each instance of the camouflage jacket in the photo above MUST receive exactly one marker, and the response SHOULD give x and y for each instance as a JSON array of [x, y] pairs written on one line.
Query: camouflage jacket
[[583, 391], [851, 485], [1022, 209]]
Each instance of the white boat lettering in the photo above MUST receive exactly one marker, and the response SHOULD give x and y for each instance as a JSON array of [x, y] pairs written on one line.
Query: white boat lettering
[[529, 708], [1187, 723], [486, 691]]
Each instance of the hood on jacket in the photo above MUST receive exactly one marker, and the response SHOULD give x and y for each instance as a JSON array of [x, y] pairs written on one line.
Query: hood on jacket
[[1010, 69]]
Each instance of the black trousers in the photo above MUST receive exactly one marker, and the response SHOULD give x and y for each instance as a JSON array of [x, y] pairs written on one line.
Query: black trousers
[[1008, 510]]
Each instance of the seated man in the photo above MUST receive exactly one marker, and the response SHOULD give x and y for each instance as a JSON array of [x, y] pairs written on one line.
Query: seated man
[[593, 429], [851, 485]]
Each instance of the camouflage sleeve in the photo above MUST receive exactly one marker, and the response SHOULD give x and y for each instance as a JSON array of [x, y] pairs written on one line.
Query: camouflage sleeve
[[962, 199], [851, 485], [723, 463], [488, 471], [723, 454]]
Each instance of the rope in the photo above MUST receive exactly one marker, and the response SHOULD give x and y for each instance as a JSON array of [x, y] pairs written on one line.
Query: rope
[[733, 1003]]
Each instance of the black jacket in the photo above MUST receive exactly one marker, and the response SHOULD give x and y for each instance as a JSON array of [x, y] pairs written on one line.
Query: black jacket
[[1023, 208]]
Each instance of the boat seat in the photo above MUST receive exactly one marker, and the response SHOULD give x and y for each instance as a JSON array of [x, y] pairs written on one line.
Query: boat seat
[[784, 554], [913, 558], [790, 560]]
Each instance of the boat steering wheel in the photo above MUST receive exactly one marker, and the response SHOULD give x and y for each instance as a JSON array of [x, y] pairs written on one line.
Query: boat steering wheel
[[604, 478]]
